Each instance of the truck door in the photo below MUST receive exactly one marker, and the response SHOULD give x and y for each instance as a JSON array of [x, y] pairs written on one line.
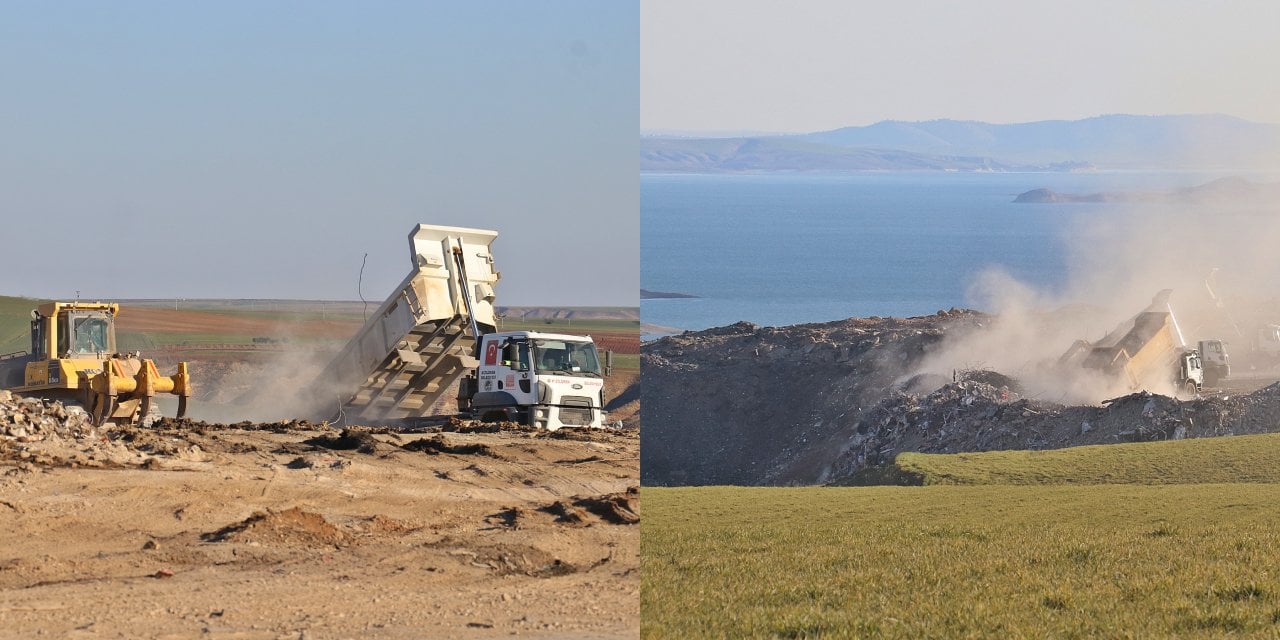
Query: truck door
[[504, 365]]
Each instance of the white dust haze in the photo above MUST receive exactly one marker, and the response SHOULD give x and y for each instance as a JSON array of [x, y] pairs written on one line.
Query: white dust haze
[[1221, 260]]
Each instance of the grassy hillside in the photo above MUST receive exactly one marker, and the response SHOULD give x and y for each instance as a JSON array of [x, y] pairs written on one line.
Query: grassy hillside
[[1192, 561], [1206, 460], [15, 323]]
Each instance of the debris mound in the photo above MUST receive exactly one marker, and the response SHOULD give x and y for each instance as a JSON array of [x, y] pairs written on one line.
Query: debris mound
[[973, 416], [749, 405], [33, 419], [820, 403]]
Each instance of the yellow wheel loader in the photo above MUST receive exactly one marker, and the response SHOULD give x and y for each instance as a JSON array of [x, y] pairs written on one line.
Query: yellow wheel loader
[[73, 358]]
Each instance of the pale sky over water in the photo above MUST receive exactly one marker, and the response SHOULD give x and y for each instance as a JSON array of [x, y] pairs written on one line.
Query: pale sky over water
[[732, 65], [260, 149]]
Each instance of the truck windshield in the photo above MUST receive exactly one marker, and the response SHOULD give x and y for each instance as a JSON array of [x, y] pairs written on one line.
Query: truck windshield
[[575, 358], [90, 334]]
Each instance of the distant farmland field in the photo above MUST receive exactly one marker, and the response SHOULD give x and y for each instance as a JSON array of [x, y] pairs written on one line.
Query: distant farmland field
[[230, 324], [1044, 559]]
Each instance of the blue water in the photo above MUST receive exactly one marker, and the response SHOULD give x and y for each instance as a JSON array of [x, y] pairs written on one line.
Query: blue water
[[793, 248]]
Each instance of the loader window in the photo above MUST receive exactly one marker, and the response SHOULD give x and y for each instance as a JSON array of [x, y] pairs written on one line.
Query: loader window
[[90, 334]]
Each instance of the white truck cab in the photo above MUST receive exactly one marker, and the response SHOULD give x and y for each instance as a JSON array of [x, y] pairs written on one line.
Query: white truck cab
[[546, 380]]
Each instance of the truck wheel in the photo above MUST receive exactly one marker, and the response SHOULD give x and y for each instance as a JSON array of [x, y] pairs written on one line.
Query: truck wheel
[[1190, 390]]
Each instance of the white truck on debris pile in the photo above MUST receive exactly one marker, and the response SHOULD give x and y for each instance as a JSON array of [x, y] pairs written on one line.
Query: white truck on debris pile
[[438, 327]]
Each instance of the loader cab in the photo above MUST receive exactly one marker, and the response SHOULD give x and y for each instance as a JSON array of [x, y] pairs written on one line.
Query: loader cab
[[86, 334], [61, 330]]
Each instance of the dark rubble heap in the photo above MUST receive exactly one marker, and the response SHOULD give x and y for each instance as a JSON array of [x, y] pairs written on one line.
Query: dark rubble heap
[[972, 416], [749, 405], [818, 403]]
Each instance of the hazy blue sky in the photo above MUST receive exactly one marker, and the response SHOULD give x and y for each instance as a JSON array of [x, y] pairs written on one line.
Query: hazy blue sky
[[824, 64], [259, 149]]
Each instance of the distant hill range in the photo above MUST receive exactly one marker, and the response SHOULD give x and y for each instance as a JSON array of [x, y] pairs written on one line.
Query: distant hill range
[[1222, 191], [356, 307], [1202, 142]]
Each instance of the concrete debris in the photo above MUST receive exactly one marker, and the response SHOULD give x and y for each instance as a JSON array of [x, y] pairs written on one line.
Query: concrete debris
[[33, 419]]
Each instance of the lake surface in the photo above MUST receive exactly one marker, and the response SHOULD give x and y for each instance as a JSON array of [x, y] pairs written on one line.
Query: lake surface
[[784, 249]]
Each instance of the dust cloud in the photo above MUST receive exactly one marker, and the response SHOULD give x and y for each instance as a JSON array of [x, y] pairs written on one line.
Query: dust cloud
[[273, 386], [1221, 261]]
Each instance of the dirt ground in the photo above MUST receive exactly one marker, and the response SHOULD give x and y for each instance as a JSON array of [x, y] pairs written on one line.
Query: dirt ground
[[294, 530]]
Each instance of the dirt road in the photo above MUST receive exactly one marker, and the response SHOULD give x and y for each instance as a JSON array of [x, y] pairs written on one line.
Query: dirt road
[[296, 531]]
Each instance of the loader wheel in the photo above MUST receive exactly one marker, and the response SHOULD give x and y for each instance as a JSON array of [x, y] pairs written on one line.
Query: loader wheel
[[1190, 389]]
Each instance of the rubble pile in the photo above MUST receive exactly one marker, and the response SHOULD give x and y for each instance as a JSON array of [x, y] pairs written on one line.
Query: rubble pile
[[749, 405], [42, 432], [818, 403], [972, 416], [33, 419]]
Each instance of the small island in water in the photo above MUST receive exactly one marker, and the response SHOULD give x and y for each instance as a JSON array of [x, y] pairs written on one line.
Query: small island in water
[[1222, 190], [646, 294]]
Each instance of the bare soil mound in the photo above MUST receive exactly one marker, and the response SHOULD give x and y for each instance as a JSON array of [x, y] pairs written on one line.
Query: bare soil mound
[[288, 527]]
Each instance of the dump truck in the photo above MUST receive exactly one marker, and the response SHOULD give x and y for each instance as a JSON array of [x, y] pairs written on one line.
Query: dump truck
[[438, 327], [1147, 352], [73, 358]]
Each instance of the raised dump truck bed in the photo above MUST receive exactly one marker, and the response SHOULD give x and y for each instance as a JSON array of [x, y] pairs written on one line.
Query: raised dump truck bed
[[1146, 352], [422, 338]]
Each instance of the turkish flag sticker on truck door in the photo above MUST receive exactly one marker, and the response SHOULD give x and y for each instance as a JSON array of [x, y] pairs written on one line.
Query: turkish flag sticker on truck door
[[491, 353]]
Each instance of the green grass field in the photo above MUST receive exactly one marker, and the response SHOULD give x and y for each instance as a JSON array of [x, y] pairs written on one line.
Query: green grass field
[[1208, 460], [1040, 545]]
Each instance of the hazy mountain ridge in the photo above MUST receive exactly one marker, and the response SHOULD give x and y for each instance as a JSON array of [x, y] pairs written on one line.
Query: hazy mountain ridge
[[1103, 142]]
